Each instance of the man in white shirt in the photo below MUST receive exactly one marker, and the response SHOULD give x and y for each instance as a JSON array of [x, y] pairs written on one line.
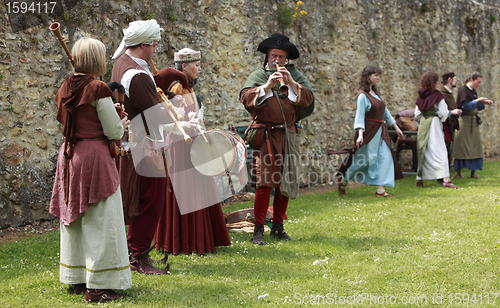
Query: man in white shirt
[[143, 197]]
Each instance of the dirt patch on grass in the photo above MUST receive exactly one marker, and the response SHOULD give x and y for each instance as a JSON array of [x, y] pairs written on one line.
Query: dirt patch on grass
[[12, 234]]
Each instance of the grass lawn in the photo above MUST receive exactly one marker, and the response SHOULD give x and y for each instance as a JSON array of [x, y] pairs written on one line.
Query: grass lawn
[[426, 247]]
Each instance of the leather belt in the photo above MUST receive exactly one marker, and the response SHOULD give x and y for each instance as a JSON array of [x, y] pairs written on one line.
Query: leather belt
[[471, 121], [279, 126]]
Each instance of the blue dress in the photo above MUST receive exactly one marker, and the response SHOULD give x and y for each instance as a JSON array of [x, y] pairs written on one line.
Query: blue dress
[[372, 163]]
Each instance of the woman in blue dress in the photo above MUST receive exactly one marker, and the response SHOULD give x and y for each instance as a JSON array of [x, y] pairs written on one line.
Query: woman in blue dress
[[373, 162]]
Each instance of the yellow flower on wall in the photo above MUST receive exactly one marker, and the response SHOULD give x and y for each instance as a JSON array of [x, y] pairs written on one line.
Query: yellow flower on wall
[[283, 12]]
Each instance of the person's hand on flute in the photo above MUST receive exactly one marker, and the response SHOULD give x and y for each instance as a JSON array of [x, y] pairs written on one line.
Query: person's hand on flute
[[172, 127], [178, 100], [271, 82], [287, 78], [125, 122]]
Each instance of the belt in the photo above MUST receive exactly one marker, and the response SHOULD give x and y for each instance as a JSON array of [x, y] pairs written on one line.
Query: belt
[[384, 128], [272, 125], [471, 121], [279, 126], [373, 120]]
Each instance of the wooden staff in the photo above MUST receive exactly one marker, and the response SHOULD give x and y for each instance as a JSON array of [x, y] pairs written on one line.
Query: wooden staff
[[153, 68], [55, 28], [283, 87], [170, 107]]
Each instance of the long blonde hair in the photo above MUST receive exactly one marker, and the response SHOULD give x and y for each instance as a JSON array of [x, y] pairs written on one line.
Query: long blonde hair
[[89, 56]]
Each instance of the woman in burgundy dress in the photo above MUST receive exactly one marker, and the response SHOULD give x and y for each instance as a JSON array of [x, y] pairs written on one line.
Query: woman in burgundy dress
[[198, 230]]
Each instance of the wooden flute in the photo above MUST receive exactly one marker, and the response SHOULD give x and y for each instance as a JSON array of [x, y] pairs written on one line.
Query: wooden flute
[[171, 110], [283, 86]]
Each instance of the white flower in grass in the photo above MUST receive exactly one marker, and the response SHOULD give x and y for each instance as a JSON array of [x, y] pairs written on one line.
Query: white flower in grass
[[262, 296]]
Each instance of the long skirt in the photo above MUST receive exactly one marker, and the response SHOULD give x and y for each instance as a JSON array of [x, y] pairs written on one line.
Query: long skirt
[[94, 247], [373, 164], [467, 149], [435, 160], [199, 230]]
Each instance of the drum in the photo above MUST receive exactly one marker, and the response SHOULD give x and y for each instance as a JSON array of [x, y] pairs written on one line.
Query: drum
[[220, 153]]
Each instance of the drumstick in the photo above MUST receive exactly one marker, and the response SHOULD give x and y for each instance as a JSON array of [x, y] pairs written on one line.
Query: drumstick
[[202, 134]]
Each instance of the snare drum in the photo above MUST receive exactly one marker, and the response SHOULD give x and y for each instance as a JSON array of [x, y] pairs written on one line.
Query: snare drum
[[220, 153]]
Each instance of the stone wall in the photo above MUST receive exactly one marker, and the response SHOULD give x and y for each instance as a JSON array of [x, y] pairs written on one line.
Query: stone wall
[[336, 38]]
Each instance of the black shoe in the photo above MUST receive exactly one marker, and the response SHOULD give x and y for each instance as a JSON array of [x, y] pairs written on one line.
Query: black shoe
[[79, 288], [258, 234], [278, 232]]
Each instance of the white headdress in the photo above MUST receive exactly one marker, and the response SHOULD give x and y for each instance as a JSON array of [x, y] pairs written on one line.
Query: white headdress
[[139, 32], [187, 55]]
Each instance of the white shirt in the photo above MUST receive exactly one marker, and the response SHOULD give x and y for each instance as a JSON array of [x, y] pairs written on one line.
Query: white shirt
[[129, 74], [265, 95]]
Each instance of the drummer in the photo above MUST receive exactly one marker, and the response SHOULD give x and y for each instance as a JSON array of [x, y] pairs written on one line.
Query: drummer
[[201, 230]]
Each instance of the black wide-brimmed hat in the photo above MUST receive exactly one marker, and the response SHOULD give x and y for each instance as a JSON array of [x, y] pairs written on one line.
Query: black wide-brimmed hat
[[279, 41]]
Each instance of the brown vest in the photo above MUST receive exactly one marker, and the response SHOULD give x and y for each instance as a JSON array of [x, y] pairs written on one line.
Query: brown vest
[[374, 119], [448, 97], [141, 98]]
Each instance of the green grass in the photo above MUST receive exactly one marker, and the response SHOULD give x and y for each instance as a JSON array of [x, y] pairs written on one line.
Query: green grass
[[424, 243]]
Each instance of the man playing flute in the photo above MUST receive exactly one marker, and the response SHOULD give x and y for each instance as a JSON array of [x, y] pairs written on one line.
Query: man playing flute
[[259, 100]]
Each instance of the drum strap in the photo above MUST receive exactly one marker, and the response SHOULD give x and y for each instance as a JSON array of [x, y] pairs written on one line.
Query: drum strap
[[164, 159], [145, 124]]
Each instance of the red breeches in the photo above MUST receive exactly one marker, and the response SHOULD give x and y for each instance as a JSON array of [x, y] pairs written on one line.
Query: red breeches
[[142, 229], [261, 205]]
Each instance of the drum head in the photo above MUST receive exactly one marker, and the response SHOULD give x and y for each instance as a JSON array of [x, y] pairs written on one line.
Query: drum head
[[214, 157]]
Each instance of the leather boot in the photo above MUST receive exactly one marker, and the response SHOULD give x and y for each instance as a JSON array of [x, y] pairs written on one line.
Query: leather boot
[[258, 234], [79, 288], [143, 266], [278, 232], [162, 261], [102, 295]]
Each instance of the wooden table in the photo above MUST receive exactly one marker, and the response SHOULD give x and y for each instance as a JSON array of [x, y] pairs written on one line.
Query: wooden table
[[407, 143]]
